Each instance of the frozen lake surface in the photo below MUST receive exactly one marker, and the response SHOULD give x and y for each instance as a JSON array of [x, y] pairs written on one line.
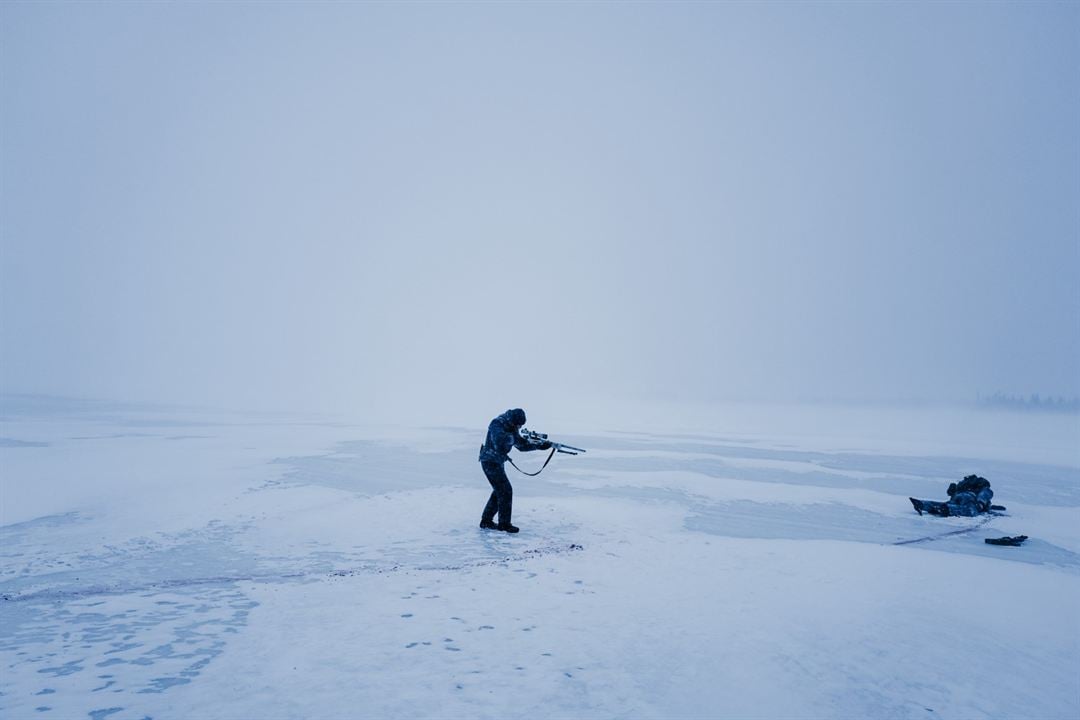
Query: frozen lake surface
[[762, 563]]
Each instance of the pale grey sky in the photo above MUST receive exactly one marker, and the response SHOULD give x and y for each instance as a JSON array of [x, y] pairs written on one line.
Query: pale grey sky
[[355, 205]]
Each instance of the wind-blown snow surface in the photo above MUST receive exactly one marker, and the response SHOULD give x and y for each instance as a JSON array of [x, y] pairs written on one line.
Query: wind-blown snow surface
[[170, 564]]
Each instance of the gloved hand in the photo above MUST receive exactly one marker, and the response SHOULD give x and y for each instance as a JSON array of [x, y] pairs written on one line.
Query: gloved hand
[[546, 445]]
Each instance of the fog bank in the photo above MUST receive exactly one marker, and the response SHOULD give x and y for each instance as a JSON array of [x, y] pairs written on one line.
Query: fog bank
[[367, 207]]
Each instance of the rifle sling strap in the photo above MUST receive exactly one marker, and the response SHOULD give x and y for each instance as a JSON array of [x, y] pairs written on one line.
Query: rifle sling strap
[[538, 471]]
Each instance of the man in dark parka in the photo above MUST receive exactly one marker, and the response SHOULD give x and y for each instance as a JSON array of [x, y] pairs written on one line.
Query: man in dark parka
[[502, 435]]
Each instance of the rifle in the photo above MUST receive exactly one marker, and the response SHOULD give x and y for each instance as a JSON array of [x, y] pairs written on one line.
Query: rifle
[[536, 438]]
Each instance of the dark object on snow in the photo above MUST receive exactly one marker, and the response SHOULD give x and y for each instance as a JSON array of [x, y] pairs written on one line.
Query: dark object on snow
[[999, 508], [1011, 541], [968, 498]]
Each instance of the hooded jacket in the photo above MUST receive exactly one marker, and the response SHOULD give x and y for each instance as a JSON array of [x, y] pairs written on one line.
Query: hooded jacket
[[502, 435], [972, 494]]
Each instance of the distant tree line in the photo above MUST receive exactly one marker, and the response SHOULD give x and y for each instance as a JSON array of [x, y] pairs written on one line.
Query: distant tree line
[[1033, 402]]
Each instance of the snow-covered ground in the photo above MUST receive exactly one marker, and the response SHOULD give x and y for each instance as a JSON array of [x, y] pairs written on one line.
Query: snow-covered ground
[[764, 562]]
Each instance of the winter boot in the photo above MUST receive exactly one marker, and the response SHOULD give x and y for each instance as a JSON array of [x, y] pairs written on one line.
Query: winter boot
[[508, 528], [488, 525]]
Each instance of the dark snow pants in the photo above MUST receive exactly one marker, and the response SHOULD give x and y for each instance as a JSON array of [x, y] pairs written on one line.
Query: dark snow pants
[[502, 495], [953, 508]]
